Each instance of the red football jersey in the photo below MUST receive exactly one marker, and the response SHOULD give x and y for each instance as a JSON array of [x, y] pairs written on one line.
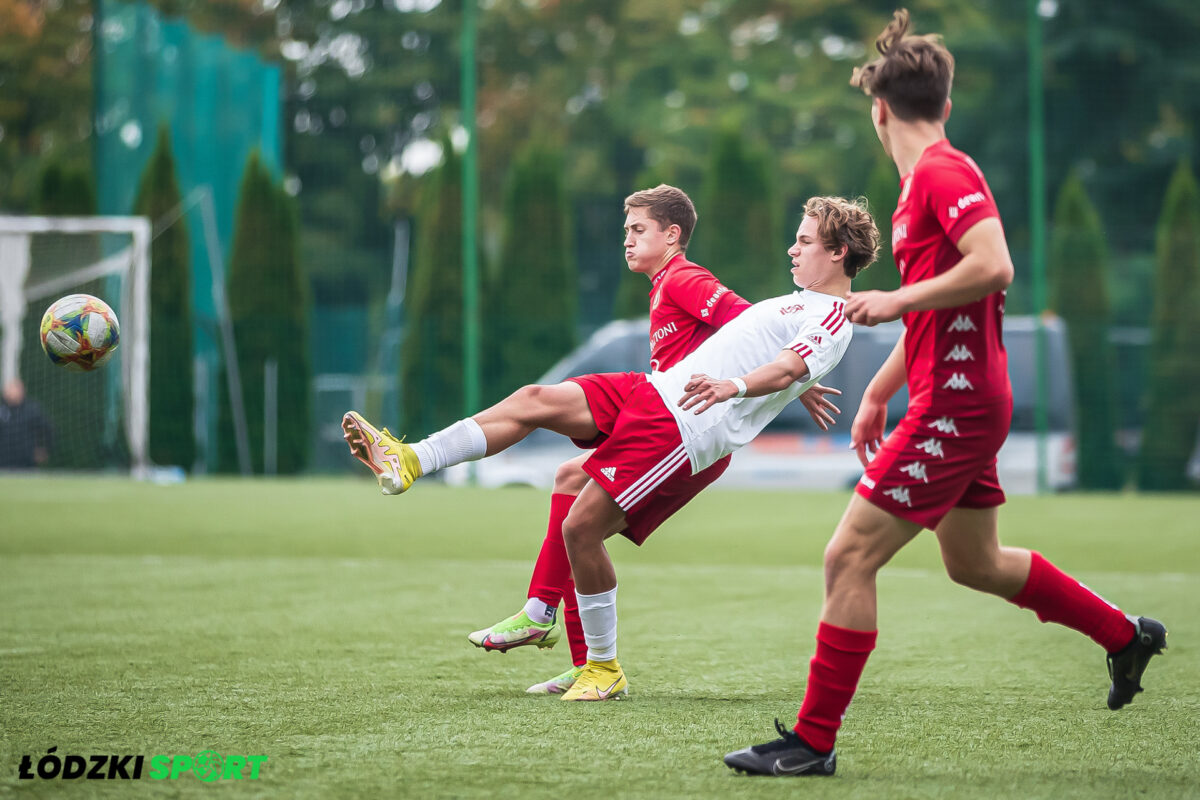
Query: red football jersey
[[953, 356], [687, 305]]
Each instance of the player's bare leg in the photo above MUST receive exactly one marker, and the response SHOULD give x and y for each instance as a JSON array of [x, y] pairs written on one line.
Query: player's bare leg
[[866, 539], [550, 584], [561, 408], [974, 557], [594, 517]]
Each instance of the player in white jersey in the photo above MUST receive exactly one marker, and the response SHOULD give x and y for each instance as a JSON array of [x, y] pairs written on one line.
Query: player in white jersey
[[809, 323], [656, 433]]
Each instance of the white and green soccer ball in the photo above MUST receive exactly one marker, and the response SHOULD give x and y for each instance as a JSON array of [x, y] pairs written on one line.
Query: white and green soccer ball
[[80, 332]]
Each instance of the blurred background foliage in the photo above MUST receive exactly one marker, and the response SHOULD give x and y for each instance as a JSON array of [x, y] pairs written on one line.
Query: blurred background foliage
[[743, 104]]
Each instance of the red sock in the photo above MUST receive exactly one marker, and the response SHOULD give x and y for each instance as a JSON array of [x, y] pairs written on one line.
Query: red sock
[[552, 570], [1057, 597], [574, 626], [833, 677]]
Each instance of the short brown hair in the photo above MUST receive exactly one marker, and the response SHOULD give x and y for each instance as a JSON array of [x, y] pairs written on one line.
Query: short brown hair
[[913, 73], [845, 222], [667, 206]]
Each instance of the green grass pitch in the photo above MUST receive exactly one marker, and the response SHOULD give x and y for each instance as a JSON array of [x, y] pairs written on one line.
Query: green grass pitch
[[324, 626]]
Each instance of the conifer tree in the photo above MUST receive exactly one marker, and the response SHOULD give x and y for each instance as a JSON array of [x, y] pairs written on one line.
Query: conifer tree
[[172, 393], [1079, 266], [534, 300], [1169, 433], [269, 306], [883, 192], [431, 369], [740, 238]]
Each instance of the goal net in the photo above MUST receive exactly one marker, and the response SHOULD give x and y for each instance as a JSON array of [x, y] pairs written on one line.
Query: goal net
[[95, 420]]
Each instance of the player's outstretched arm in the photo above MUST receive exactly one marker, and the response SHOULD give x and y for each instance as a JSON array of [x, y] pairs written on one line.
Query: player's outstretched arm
[[703, 392], [985, 267]]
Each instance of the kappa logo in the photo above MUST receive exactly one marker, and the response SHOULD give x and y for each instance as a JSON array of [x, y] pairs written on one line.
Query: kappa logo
[[609, 472], [932, 447], [900, 495], [959, 353], [961, 324], [917, 471], [945, 425], [959, 383]]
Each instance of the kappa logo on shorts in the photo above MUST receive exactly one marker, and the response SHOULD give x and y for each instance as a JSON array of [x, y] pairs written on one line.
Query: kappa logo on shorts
[[609, 472], [959, 353], [958, 382], [961, 324], [900, 495], [917, 471], [945, 425], [933, 447]]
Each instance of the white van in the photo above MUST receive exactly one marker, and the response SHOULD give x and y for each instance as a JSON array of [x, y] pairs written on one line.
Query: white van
[[793, 453]]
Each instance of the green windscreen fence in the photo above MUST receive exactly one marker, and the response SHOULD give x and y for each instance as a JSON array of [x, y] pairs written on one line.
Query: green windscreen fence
[[219, 104]]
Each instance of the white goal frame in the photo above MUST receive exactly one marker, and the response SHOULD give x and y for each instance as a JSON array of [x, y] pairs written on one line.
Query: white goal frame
[[133, 261]]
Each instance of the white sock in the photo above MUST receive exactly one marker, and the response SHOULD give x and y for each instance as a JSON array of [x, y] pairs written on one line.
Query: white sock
[[462, 441], [539, 611], [598, 613]]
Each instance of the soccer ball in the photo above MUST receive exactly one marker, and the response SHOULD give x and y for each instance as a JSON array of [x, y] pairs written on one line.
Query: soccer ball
[[80, 332]]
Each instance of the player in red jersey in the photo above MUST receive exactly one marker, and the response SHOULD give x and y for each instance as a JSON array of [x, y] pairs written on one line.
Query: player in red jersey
[[687, 304], [658, 433], [937, 468]]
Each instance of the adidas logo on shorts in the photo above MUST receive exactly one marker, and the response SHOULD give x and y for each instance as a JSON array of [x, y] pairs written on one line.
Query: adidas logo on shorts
[[609, 472]]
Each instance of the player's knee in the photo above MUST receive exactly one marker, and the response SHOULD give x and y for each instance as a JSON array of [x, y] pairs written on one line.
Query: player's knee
[[842, 557], [569, 478], [576, 533], [979, 575]]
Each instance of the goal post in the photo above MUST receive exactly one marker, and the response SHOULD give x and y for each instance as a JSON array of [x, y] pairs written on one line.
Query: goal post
[[44, 258]]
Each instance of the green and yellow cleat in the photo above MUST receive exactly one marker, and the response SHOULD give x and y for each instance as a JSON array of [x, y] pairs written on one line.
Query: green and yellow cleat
[[559, 684], [516, 631], [394, 463]]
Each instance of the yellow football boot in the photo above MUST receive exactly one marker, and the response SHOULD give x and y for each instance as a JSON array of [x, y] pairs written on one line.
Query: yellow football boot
[[394, 463], [600, 680]]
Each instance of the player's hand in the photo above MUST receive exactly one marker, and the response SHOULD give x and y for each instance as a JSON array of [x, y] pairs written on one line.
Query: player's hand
[[819, 406], [873, 307], [866, 433], [706, 392]]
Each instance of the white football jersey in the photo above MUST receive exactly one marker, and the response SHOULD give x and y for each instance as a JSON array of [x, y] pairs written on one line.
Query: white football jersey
[[811, 324]]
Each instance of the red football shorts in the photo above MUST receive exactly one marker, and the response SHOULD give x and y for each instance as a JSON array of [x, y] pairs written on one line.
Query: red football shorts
[[639, 457], [933, 462]]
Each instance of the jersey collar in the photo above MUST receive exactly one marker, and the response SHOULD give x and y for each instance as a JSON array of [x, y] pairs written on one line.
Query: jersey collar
[[662, 273]]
